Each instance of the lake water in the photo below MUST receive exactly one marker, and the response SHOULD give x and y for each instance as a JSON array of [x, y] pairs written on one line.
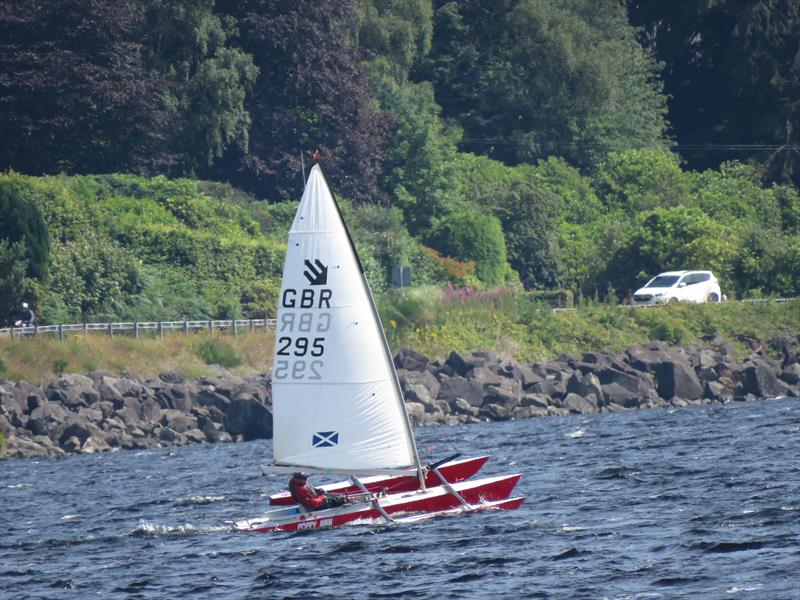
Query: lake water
[[696, 502]]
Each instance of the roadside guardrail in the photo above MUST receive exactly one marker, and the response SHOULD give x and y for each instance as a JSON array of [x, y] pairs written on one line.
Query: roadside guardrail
[[234, 326]]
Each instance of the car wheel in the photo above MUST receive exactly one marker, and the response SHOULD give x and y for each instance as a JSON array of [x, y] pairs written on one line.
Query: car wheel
[[673, 300], [713, 297]]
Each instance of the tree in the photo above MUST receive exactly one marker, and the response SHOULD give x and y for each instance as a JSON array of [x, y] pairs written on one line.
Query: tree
[[311, 94], [75, 95], [189, 47], [640, 180], [733, 75], [22, 222], [395, 34], [421, 162], [529, 215], [528, 79], [13, 264]]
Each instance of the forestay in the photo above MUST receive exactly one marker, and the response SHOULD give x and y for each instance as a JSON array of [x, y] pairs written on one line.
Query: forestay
[[336, 403]]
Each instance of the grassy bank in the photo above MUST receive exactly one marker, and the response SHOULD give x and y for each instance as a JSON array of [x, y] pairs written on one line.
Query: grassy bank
[[430, 321]]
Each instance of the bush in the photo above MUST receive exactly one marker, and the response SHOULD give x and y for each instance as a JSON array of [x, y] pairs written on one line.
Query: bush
[[216, 351], [60, 365], [476, 237]]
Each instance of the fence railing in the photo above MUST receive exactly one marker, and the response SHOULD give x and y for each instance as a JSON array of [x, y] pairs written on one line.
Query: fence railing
[[234, 326]]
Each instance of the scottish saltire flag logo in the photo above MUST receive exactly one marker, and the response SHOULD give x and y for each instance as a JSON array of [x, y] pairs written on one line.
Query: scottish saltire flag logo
[[325, 439]]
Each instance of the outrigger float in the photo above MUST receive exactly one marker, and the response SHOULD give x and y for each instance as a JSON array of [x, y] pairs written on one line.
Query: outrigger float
[[337, 402]]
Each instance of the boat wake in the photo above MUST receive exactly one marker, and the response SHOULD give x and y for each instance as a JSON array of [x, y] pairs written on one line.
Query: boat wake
[[148, 529]]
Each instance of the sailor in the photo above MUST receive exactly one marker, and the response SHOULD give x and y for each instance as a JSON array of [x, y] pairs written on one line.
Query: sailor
[[310, 497]]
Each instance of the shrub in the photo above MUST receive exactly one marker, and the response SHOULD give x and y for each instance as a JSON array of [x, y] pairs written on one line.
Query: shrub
[[216, 351], [476, 237], [60, 365]]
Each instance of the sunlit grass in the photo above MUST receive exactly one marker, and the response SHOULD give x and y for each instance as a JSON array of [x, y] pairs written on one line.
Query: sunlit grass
[[429, 321]]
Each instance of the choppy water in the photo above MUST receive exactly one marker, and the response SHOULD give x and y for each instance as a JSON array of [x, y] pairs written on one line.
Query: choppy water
[[700, 502]]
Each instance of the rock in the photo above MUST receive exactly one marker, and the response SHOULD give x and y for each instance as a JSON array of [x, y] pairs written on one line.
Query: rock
[[416, 412], [249, 418], [580, 404], [791, 373], [584, 385], [208, 397], [460, 406], [717, 391], [677, 379], [48, 419], [419, 386], [80, 431], [171, 377], [195, 436], [519, 372], [485, 377], [614, 393], [95, 444], [130, 412], [495, 412], [759, 379], [410, 360], [71, 445], [508, 399], [109, 392], [178, 421], [150, 411], [535, 401], [460, 387], [463, 364]]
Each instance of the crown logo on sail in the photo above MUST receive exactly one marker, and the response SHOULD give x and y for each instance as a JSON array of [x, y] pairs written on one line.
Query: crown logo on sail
[[317, 273]]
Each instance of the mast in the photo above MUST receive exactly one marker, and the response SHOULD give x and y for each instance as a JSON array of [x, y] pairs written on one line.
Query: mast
[[385, 343]]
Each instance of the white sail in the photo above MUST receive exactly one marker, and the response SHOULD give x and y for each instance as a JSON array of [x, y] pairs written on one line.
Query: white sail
[[336, 402]]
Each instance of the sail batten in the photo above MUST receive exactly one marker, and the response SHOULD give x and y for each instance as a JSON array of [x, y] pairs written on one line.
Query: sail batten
[[337, 405]]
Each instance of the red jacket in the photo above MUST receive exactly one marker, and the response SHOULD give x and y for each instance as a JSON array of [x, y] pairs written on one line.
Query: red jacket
[[305, 494]]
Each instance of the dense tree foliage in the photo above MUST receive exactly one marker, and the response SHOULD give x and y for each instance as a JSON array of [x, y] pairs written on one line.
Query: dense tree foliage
[[733, 73], [189, 47], [527, 79], [395, 34], [476, 142], [310, 95], [22, 223], [75, 95]]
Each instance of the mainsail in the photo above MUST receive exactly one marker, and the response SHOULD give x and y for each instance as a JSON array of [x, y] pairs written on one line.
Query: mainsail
[[337, 406]]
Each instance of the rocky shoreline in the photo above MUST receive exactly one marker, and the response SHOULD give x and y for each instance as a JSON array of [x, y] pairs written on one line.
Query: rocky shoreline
[[102, 412]]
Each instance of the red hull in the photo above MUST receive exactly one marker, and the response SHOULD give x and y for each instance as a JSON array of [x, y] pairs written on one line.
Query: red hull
[[455, 471], [488, 493]]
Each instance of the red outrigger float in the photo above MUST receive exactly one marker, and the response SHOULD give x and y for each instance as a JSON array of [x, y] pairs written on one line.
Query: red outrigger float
[[337, 402]]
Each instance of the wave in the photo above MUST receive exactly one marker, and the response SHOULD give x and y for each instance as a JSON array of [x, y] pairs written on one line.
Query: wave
[[148, 529], [199, 500]]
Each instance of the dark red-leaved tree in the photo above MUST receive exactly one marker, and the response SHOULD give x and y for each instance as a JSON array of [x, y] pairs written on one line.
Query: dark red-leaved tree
[[74, 93], [310, 94]]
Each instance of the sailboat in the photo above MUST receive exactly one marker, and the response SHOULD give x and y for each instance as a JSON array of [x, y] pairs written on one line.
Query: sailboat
[[338, 407]]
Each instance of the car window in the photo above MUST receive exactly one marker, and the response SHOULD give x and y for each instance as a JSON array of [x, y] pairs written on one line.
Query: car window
[[690, 279], [702, 277], [663, 281]]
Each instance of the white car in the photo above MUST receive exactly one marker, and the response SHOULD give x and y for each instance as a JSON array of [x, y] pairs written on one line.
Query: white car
[[678, 286]]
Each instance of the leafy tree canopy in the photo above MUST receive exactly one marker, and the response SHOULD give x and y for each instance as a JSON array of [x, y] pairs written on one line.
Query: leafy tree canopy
[[395, 33], [75, 94], [528, 78], [22, 222], [311, 94]]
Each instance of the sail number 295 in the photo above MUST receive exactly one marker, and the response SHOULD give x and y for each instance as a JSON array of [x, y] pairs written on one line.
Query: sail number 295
[[299, 347]]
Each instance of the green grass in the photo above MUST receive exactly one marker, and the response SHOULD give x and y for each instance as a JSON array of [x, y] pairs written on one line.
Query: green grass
[[429, 321]]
